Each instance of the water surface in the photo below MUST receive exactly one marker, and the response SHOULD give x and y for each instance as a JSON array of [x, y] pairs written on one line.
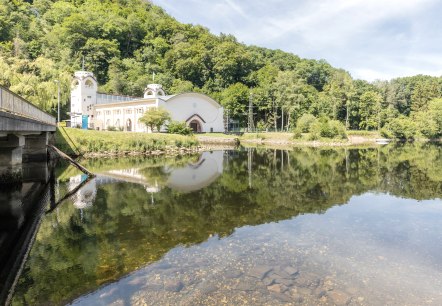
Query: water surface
[[306, 226]]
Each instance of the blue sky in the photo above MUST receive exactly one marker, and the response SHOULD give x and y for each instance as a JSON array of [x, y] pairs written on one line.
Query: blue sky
[[372, 39]]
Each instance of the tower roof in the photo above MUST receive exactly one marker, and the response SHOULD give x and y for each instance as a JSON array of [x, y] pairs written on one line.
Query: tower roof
[[154, 90], [81, 74]]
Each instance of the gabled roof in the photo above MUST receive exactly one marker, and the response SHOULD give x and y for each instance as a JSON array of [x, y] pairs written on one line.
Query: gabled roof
[[195, 115]]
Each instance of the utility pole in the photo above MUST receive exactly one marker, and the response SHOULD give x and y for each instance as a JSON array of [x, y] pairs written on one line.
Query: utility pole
[[275, 113], [227, 125], [250, 125], [58, 103]]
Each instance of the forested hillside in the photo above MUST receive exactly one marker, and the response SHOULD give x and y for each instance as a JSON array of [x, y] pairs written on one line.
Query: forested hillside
[[124, 41]]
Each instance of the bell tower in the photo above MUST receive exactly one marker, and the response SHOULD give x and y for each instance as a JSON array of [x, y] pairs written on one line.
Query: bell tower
[[154, 91], [83, 96]]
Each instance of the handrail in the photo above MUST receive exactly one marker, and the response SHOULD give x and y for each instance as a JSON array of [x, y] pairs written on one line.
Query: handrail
[[14, 104]]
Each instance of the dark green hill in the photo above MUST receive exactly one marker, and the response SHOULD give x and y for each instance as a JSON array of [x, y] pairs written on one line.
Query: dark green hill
[[125, 41]]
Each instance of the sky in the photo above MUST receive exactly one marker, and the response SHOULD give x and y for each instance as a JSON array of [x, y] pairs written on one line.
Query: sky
[[372, 39]]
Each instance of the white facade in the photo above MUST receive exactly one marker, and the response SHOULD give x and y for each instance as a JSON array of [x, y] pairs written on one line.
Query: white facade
[[83, 96], [200, 112]]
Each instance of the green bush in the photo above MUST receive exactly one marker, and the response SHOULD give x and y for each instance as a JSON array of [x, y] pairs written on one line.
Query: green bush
[[179, 127], [326, 128], [305, 122], [429, 122], [111, 128], [297, 134], [386, 133], [402, 128], [338, 129]]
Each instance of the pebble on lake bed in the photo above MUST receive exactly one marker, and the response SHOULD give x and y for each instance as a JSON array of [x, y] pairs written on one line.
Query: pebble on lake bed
[[174, 286]]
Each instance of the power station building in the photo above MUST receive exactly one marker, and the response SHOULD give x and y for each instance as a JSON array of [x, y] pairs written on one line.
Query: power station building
[[91, 109]]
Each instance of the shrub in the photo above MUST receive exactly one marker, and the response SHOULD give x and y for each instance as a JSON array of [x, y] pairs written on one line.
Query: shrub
[[297, 133], [179, 127], [338, 129], [305, 122], [429, 122], [326, 128], [111, 128], [386, 133], [261, 125], [400, 128]]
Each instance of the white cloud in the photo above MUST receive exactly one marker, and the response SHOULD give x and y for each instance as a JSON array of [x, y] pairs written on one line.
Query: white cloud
[[371, 39]]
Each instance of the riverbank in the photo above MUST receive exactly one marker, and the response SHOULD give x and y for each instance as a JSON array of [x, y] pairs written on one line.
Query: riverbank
[[355, 138], [89, 143]]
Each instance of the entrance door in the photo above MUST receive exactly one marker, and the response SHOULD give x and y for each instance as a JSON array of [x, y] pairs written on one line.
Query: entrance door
[[129, 125], [195, 126]]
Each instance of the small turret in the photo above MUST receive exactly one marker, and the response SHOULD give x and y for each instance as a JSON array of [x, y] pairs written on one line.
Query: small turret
[[83, 95], [154, 91]]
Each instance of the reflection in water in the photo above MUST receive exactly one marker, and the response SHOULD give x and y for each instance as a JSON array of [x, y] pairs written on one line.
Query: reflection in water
[[255, 225], [21, 206], [187, 178], [84, 197]]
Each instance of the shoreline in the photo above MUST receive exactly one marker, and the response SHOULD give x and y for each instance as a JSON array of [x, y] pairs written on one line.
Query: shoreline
[[353, 140], [78, 143]]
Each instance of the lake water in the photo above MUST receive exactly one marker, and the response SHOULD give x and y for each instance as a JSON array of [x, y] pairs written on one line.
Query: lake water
[[262, 227]]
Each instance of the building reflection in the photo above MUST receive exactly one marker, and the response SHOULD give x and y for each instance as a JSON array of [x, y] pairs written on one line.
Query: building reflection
[[190, 177]]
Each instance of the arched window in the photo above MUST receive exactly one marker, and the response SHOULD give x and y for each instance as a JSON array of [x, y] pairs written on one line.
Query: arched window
[[75, 84], [161, 93], [150, 93], [89, 83], [117, 123]]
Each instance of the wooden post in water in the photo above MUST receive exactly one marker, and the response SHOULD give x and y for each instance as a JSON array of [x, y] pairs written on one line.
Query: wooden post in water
[[73, 162]]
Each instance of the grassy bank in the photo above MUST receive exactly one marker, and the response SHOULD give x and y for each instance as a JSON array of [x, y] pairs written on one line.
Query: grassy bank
[[89, 142], [287, 139]]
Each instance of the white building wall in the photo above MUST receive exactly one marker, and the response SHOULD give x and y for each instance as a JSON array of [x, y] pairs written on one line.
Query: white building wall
[[184, 106], [83, 96], [181, 108]]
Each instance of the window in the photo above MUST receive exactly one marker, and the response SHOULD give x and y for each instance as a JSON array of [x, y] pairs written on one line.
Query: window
[[128, 111], [89, 83], [108, 112], [140, 111], [117, 112], [98, 114], [75, 84]]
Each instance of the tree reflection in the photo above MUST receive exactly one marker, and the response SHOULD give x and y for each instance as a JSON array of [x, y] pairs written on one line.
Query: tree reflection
[[122, 231]]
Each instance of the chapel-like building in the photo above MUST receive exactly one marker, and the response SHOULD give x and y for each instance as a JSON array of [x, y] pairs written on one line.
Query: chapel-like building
[[90, 109]]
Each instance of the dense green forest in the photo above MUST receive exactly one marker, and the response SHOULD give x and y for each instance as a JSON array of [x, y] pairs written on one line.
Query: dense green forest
[[125, 41]]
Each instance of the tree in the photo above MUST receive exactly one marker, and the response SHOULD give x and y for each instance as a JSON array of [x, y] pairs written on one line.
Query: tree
[[341, 90], [155, 118], [235, 99], [369, 110]]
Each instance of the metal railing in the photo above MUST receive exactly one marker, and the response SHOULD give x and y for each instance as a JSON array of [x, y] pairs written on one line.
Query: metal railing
[[12, 103], [105, 98]]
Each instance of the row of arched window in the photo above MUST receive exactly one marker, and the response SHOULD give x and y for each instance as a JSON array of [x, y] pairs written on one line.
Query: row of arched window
[[87, 83]]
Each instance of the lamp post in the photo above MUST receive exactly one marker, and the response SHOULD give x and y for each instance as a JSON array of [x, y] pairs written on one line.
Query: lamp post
[[58, 103]]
